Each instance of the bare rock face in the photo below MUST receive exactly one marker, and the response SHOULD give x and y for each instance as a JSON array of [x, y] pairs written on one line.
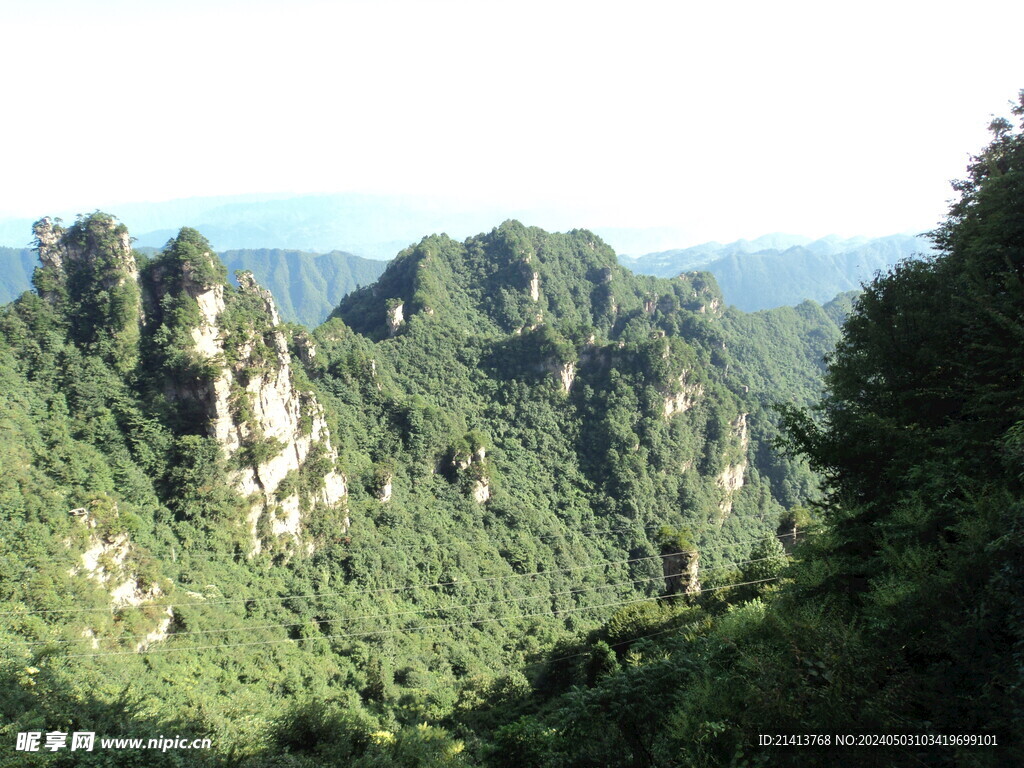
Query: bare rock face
[[730, 480], [686, 396], [482, 490], [106, 560], [568, 376], [386, 490], [473, 468], [564, 371], [109, 560], [268, 428], [535, 287], [395, 318], [682, 573], [305, 348]]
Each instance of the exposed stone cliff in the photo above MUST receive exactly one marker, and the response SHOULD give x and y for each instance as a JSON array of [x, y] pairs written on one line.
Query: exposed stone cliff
[[270, 430], [730, 480], [222, 351]]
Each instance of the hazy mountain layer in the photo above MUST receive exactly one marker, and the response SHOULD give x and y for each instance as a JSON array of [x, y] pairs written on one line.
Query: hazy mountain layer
[[306, 286], [774, 271]]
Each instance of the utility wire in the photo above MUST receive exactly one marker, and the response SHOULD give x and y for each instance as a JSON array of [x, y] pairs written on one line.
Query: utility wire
[[383, 590], [377, 616], [402, 630], [542, 536]]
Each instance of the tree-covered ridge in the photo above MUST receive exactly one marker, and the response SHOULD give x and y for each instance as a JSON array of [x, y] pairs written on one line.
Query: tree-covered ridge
[[516, 277]]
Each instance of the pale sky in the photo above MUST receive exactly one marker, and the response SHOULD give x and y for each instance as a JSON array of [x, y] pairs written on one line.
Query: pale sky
[[726, 120]]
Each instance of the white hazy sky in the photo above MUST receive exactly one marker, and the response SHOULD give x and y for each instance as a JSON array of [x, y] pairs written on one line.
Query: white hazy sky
[[724, 119]]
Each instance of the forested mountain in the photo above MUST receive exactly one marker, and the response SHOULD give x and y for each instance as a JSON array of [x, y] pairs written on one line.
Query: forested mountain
[[221, 524], [780, 270]]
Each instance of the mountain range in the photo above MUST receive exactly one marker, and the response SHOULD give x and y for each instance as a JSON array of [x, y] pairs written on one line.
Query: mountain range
[[770, 271], [779, 270], [375, 226]]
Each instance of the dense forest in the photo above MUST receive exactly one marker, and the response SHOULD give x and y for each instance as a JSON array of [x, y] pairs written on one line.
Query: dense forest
[[513, 505]]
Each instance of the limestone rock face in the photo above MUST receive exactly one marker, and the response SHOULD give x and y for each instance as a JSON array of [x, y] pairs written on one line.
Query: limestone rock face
[[685, 398], [257, 414], [386, 490], [472, 467], [535, 287], [395, 318], [682, 573], [730, 479], [106, 562], [482, 490]]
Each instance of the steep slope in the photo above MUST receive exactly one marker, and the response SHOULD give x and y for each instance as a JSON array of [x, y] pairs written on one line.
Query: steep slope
[[215, 355]]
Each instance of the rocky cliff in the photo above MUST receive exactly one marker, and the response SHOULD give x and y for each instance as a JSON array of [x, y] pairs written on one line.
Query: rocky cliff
[[222, 356]]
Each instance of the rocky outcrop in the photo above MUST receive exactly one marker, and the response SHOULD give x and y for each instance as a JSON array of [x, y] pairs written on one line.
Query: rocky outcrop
[[470, 469], [267, 427], [682, 572], [89, 271], [386, 490], [305, 348], [684, 398], [107, 561], [482, 490], [730, 480], [535, 287], [395, 318], [100, 246]]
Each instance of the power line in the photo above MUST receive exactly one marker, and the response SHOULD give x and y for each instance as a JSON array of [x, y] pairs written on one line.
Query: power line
[[353, 619], [382, 590], [357, 592], [616, 645], [542, 536], [406, 629]]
